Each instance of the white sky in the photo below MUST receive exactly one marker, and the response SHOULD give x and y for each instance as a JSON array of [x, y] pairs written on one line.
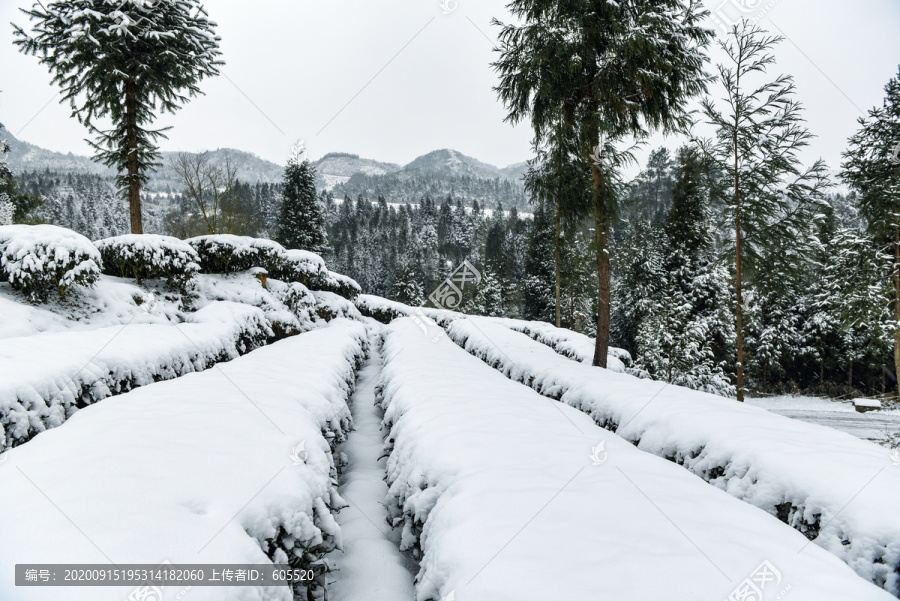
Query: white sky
[[417, 80]]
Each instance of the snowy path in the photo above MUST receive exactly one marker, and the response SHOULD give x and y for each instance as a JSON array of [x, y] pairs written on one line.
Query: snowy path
[[875, 426], [372, 567]]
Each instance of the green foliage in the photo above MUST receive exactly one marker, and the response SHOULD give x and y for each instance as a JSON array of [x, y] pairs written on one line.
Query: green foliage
[[540, 278], [149, 256], [123, 62], [41, 259], [225, 253], [301, 222]]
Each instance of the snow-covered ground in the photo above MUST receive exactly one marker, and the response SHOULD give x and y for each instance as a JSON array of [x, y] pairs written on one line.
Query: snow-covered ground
[[370, 566], [567, 343], [877, 426], [837, 489], [232, 465], [494, 490], [505, 494], [46, 377]]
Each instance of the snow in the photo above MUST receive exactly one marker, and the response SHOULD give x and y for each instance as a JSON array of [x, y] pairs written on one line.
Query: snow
[[238, 252], [245, 288], [882, 427], [867, 403], [194, 470], [160, 254], [45, 377], [30, 254], [504, 494], [345, 285], [306, 257], [838, 489], [330, 305], [568, 343], [370, 566]]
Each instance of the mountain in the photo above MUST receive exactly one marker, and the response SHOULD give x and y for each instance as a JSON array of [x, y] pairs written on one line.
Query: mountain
[[434, 174], [24, 156], [338, 167], [449, 163], [514, 172], [440, 174], [250, 168]]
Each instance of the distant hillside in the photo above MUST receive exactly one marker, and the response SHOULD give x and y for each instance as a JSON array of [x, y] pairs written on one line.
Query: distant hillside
[[436, 174], [338, 167], [24, 156], [251, 168], [439, 174]]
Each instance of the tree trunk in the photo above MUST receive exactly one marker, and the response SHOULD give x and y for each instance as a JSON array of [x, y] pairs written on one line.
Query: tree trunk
[[850, 376], [571, 307], [601, 225], [821, 373], [766, 378], [131, 141], [558, 259], [897, 305], [737, 272]]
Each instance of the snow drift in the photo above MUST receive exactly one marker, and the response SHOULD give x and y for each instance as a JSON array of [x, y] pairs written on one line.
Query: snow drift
[[505, 494], [837, 490], [46, 377], [233, 465]]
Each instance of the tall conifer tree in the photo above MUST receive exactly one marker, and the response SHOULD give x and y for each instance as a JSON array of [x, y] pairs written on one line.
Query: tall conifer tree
[[301, 221]]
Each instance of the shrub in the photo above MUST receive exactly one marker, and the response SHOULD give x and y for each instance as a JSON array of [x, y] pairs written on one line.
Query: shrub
[[36, 259], [149, 256], [338, 284], [224, 253], [298, 299], [303, 267]]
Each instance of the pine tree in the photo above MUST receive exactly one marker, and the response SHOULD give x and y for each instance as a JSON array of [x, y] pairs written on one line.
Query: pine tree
[[758, 136], [872, 168], [407, 287], [488, 299], [6, 181], [557, 178], [538, 302], [123, 61], [301, 221], [613, 69]]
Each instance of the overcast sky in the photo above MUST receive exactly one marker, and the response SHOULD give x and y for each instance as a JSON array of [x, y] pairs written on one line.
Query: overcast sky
[[394, 79]]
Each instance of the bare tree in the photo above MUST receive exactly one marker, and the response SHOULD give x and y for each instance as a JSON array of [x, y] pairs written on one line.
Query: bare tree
[[214, 193]]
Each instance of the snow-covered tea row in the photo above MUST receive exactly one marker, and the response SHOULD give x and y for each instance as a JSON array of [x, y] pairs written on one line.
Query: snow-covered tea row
[[838, 490], [37, 259], [233, 465], [567, 343], [386, 311], [505, 494], [45, 378]]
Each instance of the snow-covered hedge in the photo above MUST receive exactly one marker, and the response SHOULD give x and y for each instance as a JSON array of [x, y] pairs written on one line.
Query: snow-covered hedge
[[234, 465], [40, 259], [149, 256], [501, 494], [225, 253], [246, 289], [331, 306], [297, 298], [568, 343], [303, 267], [45, 378], [339, 284], [836, 489], [386, 311]]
